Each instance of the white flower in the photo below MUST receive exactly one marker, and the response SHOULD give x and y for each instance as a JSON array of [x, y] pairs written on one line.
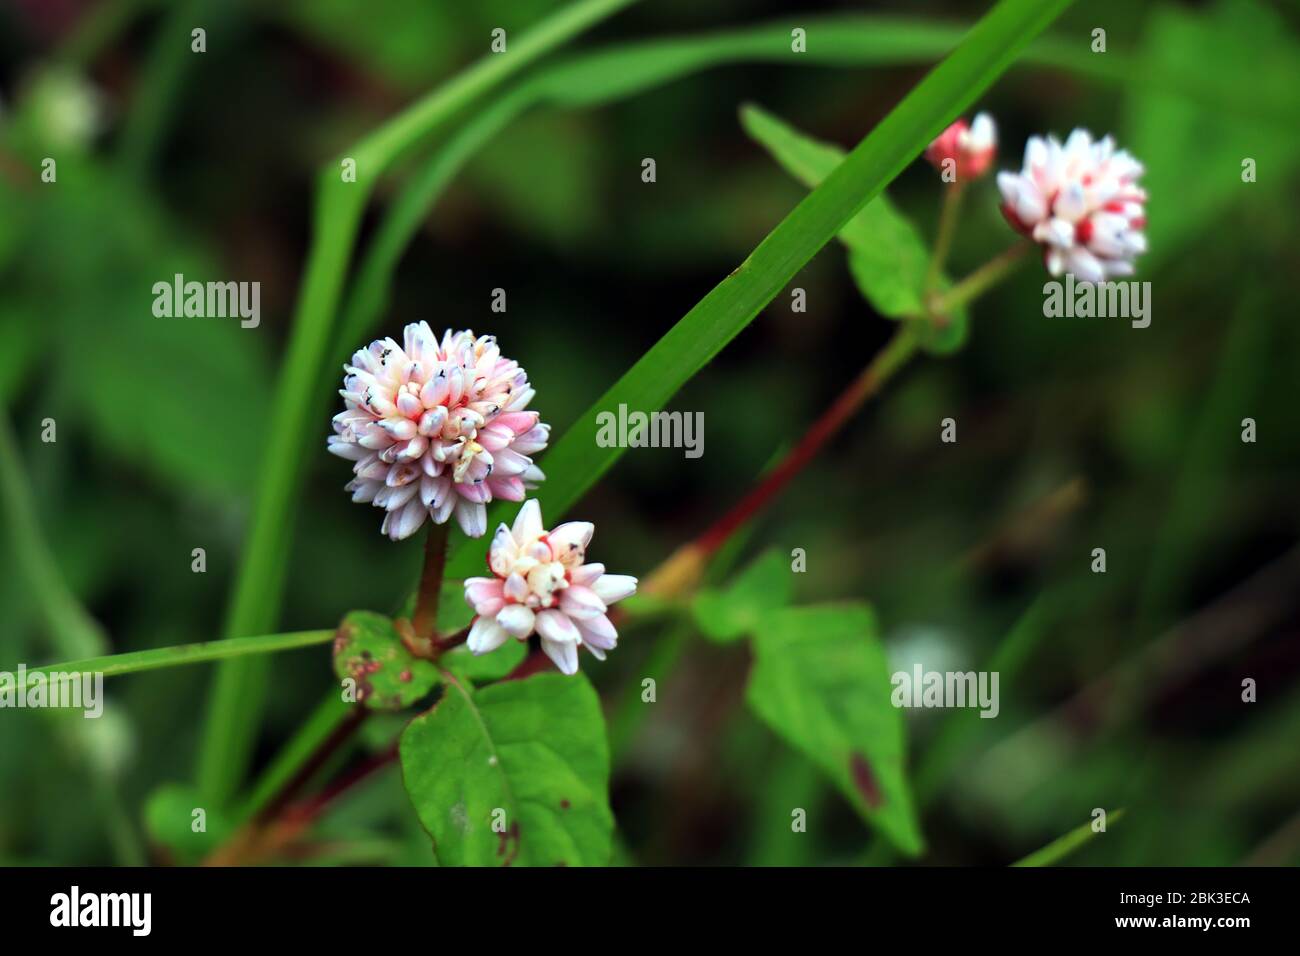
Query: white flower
[[436, 427], [1081, 203], [971, 148], [540, 583]]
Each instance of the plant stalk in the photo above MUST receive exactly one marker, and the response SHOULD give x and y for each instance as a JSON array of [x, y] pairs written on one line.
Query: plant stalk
[[948, 216], [425, 619], [982, 279]]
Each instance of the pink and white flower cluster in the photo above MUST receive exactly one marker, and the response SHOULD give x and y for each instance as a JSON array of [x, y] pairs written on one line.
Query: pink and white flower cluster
[[1081, 203], [971, 148], [436, 427], [540, 583]]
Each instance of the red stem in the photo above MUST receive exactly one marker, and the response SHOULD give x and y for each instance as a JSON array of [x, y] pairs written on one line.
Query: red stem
[[868, 382]]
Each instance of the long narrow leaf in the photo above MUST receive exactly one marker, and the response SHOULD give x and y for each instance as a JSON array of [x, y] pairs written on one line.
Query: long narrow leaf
[[235, 708], [156, 658], [576, 461]]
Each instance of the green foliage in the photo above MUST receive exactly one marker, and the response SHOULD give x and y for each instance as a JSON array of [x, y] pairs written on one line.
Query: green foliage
[[1063, 846], [887, 256], [1255, 59], [235, 707], [485, 667], [172, 823], [369, 651], [727, 614], [576, 461], [821, 681], [512, 774]]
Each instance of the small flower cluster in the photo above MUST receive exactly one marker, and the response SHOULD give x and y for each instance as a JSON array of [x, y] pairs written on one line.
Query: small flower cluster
[[436, 428], [1079, 201], [541, 583], [969, 150]]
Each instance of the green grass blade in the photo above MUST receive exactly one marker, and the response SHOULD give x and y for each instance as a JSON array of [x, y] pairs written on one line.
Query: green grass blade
[[235, 707], [133, 662], [404, 130], [576, 462], [1063, 846]]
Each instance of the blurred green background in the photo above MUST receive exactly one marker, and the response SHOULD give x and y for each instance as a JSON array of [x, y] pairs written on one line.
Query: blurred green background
[[1117, 689]]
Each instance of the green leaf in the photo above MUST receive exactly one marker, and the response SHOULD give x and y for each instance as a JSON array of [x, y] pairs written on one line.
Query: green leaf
[[577, 461], [368, 650], [1063, 846], [821, 681], [238, 694], [172, 816], [486, 667], [154, 658], [726, 614], [527, 755], [887, 256]]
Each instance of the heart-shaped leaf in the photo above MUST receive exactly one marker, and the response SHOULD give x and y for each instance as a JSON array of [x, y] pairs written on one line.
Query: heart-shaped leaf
[[730, 613], [821, 681], [516, 773], [888, 259]]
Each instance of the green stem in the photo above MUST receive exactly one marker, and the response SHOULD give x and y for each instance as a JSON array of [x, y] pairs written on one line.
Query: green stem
[[896, 353], [163, 78], [948, 214], [982, 279], [1063, 846], [238, 695], [72, 631], [133, 662]]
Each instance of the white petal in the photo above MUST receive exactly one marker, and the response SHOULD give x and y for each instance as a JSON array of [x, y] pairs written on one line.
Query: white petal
[[565, 655], [472, 516], [408, 520], [528, 523], [579, 603], [503, 552], [1084, 265], [485, 635], [983, 134], [587, 574], [555, 626], [517, 619], [599, 632], [614, 587]]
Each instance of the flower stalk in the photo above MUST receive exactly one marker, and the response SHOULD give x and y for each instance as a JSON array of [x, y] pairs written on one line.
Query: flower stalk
[[948, 215], [981, 280], [424, 622]]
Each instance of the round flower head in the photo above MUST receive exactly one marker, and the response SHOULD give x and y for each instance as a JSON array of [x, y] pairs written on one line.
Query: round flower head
[[1081, 203], [971, 148], [437, 427], [540, 583]]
